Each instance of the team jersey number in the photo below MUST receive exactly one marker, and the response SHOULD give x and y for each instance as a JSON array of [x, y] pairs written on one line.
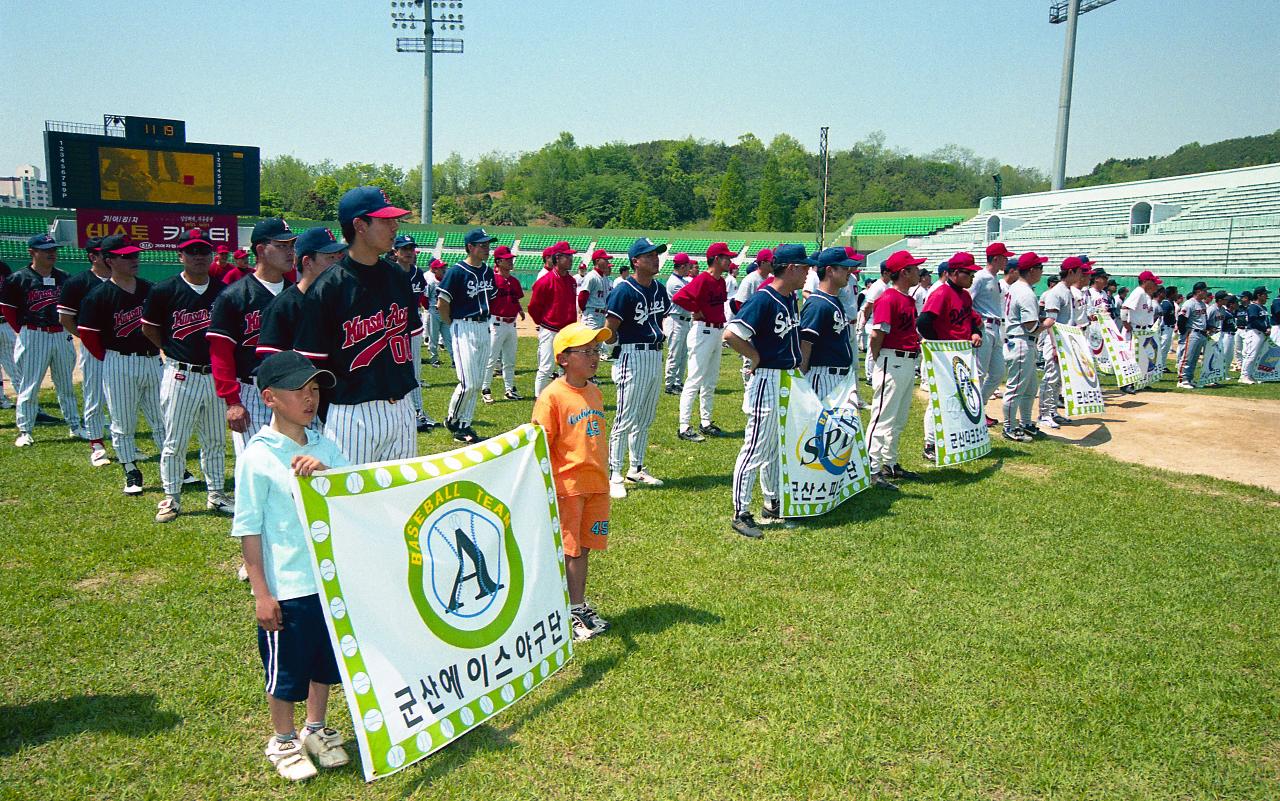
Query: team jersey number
[[400, 347]]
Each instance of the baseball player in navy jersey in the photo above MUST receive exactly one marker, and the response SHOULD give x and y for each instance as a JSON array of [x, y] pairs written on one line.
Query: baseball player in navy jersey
[[29, 305], [505, 308], [827, 353], [678, 320], [358, 320], [406, 256], [704, 298], [765, 331], [175, 318], [110, 327], [236, 325], [7, 341], [637, 306], [463, 302], [438, 338], [593, 292], [95, 402]]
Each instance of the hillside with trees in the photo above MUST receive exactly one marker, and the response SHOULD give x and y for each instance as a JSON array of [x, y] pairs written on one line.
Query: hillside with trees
[[1246, 151]]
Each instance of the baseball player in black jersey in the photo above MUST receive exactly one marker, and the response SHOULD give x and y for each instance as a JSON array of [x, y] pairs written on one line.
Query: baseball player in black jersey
[[358, 320], [236, 324], [7, 341], [176, 319], [95, 402], [406, 256], [29, 305], [111, 329], [317, 250]]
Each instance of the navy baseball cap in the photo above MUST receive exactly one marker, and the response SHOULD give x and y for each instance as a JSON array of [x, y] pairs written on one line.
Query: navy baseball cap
[[834, 257], [273, 229], [118, 245], [477, 236], [366, 201], [791, 254], [42, 242], [290, 370], [93, 244], [195, 236], [644, 245], [317, 240], [405, 241], [1199, 285]]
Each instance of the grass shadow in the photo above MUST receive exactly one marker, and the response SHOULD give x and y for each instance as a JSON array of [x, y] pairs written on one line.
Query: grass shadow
[[949, 476], [700, 482], [134, 715]]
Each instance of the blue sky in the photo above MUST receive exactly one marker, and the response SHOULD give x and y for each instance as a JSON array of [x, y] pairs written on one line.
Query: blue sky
[[321, 79]]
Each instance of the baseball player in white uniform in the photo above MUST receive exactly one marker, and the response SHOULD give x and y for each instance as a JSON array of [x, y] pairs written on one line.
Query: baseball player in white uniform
[[1060, 306], [593, 290], [678, 322], [988, 303], [438, 338], [464, 295]]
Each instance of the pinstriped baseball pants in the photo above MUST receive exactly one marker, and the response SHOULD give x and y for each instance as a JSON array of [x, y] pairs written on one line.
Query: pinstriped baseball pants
[[95, 399], [33, 354], [415, 349], [188, 403], [7, 367], [759, 453], [638, 375], [132, 382], [470, 360], [259, 416], [373, 431]]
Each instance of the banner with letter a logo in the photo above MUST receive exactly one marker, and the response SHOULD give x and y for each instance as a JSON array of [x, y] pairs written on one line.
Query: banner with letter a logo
[[824, 453], [1146, 349], [1268, 368], [955, 402], [1214, 370], [1124, 365], [443, 583], [1080, 387]]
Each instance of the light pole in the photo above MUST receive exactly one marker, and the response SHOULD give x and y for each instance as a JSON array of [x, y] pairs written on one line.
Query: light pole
[[1067, 11], [405, 15]]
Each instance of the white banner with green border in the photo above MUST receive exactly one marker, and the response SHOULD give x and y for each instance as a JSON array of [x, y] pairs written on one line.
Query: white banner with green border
[[1081, 389], [955, 402], [1097, 346], [823, 451], [1124, 365], [1146, 349], [443, 583], [1214, 370], [1268, 368]]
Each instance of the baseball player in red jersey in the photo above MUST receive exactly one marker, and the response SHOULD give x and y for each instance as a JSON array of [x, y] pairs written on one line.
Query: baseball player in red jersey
[[176, 318], [895, 354], [553, 304], [704, 298], [29, 305], [505, 308], [236, 324], [111, 329], [221, 263], [95, 402], [358, 320]]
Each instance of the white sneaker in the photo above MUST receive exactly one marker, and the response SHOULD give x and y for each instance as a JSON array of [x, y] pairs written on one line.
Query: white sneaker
[[616, 488], [24, 441], [290, 759], [642, 477], [219, 503], [326, 746], [98, 457], [1184, 385], [168, 510], [1046, 421], [1244, 379]]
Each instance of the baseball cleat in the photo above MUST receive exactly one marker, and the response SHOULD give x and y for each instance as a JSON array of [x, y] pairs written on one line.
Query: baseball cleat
[[425, 423], [711, 430], [746, 525], [1015, 434], [1048, 422], [219, 503], [98, 456], [168, 510], [882, 481], [24, 440], [133, 482], [486, 395], [903, 475], [1184, 385], [598, 623], [1060, 420], [187, 478], [771, 515], [466, 435], [582, 628], [511, 394], [671, 390], [639, 476], [46, 419], [929, 454], [1032, 429], [1244, 379], [616, 488], [689, 435], [450, 424]]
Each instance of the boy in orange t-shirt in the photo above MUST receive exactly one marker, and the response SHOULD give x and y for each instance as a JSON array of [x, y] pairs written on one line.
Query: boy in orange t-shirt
[[571, 411]]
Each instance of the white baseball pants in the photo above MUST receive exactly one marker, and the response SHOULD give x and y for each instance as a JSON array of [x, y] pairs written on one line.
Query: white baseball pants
[[34, 352], [637, 372], [893, 379], [374, 431], [703, 347], [470, 359], [502, 353], [759, 453], [132, 382], [190, 402]]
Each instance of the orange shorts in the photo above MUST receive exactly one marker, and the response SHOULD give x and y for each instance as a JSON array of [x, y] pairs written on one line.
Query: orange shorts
[[584, 522]]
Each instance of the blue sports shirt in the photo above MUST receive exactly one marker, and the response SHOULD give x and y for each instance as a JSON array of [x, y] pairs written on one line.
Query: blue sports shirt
[[468, 290], [641, 311], [823, 322], [774, 328]]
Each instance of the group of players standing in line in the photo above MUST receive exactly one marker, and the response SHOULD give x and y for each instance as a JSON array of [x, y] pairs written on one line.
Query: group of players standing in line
[[355, 313]]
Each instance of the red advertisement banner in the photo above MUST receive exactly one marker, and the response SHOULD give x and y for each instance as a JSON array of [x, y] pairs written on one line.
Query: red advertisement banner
[[155, 230]]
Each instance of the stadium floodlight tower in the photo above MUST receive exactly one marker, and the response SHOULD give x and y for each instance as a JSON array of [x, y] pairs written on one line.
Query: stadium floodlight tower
[[405, 15], [1067, 11]]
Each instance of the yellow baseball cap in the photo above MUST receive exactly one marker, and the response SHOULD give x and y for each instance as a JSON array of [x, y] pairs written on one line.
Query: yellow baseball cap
[[575, 334]]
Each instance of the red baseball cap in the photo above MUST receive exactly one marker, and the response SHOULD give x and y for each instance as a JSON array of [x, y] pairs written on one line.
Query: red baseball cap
[[502, 252], [557, 249], [682, 259], [1147, 275], [997, 249], [222, 249], [962, 261], [764, 254], [1074, 263], [852, 254], [1029, 259], [900, 260], [241, 253], [436, 263], [599, 253], [719, 249]]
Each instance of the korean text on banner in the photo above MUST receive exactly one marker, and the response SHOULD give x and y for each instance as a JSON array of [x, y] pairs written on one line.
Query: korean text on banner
[[1146, 349], [1080, 387], [823, 451], [955, 402], [1268, 368], [443, 583], [1124, 366], [1214, 370]]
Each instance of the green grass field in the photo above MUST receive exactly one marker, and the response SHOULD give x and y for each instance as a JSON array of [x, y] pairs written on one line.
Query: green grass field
[[1044, 623]]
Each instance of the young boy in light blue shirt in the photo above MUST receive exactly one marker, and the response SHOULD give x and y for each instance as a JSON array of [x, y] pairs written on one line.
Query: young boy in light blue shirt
[[297, 656]]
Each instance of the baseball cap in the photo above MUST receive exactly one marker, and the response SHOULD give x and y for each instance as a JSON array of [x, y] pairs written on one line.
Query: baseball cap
[[477, 236], [998, 249], [240, 253], [405, 241], [290, 370], [575, 334], [502, 252], [963, 261], [317, 240], [599, 254], [790, 254], [834, 257], [222, 249], [42, 242], [119, 245], [366, 201], [93, 244], [273, 229], [854, 255], [1199, 285], [195, 236], [1146, 275], [1086, 261], [764, 254], [900, 260], [644, 245], [925, 272], [944, 266], [1262, 290], [719, 249], [1030, 259], [1075, 263], [436, 263], [1221, 295], [682, 260]]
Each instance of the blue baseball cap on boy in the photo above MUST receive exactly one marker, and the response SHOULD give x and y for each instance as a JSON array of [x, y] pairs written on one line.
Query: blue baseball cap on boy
[[644, 245], [366, 201]]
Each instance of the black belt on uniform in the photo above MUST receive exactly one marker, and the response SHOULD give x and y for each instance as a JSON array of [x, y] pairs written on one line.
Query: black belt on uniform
[[993, 320], [147, 354], [709, 325], [476, 318], [183, 367], [833, 370], [643, 345], [906, 354]]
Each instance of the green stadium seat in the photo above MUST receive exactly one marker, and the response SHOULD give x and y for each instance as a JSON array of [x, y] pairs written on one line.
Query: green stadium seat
[[453, 239], [615, 244], [527, 264], [578, 243], [694, 247], [507, 239], [758, 244], [23, 224]]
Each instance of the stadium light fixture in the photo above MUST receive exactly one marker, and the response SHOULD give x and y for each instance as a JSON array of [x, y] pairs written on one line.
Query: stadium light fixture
[[1068, 11], [407, 15]]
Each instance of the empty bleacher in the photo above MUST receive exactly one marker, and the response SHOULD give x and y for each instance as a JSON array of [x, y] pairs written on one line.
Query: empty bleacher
[[902, 226]]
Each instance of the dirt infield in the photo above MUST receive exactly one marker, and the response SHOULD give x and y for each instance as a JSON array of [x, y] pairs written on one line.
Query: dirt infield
[[1231, 438]]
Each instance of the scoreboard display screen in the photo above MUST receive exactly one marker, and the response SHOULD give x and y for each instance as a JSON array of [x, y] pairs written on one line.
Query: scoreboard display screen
[[112, 172]]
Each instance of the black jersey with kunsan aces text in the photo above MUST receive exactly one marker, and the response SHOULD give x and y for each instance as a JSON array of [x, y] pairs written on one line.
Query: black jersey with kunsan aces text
[[182, 314], [34, 296], [237, 317], [117, 317], [280, 322]]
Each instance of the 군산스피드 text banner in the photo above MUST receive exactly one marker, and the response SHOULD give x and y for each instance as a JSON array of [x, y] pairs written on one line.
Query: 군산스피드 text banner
[[1080, 387], [823, 451], [1146, 349], [1124, 366], [955, 402], [443, 583], [1268, 368]]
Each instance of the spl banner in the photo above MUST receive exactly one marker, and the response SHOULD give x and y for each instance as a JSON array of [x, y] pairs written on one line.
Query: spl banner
[[1268, 368], [1146, 349], [443, 583], [156, 230], [1080, 387], [1214, 370], [955, 402], [1124, 365], [824, 453]]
